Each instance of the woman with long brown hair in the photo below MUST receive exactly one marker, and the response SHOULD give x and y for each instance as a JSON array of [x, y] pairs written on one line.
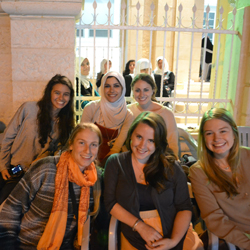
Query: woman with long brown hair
[[38, 129], [146, 189], [221, 177]]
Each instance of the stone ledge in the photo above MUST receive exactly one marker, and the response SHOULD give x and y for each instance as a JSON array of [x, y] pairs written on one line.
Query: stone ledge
[[42, 8]]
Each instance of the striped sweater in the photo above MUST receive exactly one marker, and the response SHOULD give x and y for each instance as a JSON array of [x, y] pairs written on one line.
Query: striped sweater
[[27, 209]]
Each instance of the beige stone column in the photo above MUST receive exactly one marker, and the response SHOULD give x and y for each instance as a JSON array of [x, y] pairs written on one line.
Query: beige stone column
[[41, 44], [5, 68]]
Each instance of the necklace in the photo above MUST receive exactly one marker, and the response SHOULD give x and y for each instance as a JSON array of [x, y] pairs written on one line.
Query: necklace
[[221, 165], [139, 171]]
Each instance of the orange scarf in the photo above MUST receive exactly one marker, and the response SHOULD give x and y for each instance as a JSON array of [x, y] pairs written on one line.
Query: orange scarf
[[67, 170]]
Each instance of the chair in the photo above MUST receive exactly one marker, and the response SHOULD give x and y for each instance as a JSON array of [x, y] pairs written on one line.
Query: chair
[[213, 242], [186, 143], [244, 136], [113, 226]]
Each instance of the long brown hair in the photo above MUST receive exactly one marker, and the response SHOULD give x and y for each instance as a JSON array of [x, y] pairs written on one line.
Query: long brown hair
[[206, 156], [160, 164], [65, 117]]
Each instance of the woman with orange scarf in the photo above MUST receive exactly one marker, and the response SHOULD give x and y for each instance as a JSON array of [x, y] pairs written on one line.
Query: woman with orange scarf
[[41, 212]]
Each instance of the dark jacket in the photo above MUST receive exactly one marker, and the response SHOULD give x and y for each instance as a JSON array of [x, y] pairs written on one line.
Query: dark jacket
[[120, 187]]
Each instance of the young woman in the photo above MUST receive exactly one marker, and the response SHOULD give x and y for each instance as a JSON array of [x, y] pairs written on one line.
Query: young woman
[[104, 69], [38, 129], [110, 114], [221, 178], [85, 84], [146, 189], [129, 69], [40, 213], [144, 89], [159, 64]]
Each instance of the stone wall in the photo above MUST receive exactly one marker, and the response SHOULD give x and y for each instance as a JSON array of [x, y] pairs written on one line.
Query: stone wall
[[37, 42]]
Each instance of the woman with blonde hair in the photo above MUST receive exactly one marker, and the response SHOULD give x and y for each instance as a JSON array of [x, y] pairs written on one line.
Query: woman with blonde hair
[[221, 177], [51, 202]]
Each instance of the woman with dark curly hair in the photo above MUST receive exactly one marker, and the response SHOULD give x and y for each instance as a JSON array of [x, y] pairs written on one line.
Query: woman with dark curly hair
[[146, 189], [38, 129]]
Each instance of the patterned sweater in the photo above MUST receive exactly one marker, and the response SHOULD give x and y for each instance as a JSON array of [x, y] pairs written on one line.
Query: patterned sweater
[[27, 209]]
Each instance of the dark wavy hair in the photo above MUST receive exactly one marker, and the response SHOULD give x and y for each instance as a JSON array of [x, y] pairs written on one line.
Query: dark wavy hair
[[159, 167], [127, 70], [148, 79], [65, 116]]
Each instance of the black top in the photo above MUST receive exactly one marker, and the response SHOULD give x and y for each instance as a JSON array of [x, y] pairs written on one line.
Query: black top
[[99, 81], [85, 92], [145, 199], [169, 79]]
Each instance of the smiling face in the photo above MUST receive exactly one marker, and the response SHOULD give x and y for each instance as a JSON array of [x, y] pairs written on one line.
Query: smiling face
[[112, 89], [84, 148], [219, 137], [60, 96], [142, 92], [131, 67], [85, 67], [142, 142]]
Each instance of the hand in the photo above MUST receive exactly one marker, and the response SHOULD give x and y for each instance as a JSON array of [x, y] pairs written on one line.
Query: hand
[[148, 233], [162, 244], [5, 174]]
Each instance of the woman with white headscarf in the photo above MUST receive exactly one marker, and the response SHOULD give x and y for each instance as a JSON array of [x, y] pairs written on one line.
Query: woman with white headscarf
[[85, 84], [159, 65], [110, 114], [168, 77], [104, 70]]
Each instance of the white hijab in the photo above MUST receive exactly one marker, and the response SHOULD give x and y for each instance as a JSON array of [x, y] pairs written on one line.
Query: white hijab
[[85, 79], [114, 113], [143, 63], [102, 65], [159, 71]]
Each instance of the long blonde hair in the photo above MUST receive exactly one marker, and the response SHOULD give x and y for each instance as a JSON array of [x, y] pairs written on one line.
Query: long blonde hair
[[206, 157]]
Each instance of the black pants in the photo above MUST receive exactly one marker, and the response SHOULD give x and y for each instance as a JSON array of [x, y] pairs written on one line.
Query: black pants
[[6, 186]]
